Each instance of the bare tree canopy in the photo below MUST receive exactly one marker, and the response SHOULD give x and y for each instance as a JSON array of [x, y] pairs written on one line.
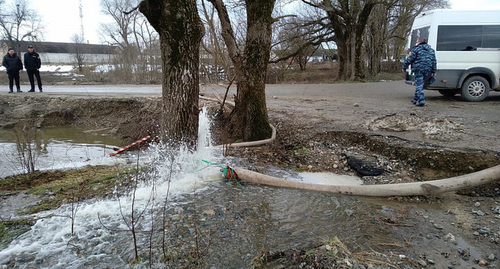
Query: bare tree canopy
[[348, 20], [135, 39], [19, 23], [79, 55], [366, 30]]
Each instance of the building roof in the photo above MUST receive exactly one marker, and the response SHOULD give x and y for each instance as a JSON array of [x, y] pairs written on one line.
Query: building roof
[[59, 47]]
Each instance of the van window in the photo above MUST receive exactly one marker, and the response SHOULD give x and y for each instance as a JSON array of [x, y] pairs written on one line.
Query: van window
[[491, 36], [467, 37], [421, 32]]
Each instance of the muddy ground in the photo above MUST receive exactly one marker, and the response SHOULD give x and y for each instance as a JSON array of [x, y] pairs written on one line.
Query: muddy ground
[[317, 131]]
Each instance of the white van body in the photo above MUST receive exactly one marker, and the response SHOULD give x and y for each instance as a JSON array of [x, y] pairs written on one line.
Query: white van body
[[467, 45]]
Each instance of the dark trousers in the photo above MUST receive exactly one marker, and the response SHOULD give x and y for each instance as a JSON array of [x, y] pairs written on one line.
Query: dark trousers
[[36, 73], [419, 97], [13, 75]]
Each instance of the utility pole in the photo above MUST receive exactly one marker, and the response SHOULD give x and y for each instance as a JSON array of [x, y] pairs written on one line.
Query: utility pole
[[82, 33]]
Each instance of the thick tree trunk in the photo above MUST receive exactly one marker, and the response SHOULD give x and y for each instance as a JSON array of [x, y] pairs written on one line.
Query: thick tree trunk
[[349, 22], [180, 30], [251, 120]]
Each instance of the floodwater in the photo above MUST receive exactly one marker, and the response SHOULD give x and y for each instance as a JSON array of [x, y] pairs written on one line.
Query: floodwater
[[238, 221], [185, 202], [243, 219], [56, 148]]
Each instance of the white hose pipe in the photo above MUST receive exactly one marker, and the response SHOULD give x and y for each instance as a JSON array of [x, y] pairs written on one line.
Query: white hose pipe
[[251, 143], [243, 144], [482, 177]]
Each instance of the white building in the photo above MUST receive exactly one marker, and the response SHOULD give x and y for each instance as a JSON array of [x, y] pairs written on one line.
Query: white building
[[55, 53]]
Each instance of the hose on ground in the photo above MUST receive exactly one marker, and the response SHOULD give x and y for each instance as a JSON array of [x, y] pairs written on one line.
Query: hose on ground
[[475, 179]]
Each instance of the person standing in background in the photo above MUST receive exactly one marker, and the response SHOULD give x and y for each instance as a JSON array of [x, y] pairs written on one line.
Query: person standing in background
[[32, 64], [422, 59], [13, 65]]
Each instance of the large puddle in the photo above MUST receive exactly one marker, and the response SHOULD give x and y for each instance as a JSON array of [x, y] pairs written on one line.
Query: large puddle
[[56, 148]]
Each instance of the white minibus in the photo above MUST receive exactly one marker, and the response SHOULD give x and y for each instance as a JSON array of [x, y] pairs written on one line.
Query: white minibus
[[467, 45]]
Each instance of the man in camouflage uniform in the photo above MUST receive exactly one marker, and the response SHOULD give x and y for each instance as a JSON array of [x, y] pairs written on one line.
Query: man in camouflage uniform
[[423, 64]]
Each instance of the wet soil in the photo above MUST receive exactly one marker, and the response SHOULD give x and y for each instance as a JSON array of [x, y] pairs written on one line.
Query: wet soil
[[455, 230]]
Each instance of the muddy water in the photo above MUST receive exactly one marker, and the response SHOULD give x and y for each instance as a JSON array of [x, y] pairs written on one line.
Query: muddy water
[[247, 220], [56, 148], [225, 223], [232, 223]]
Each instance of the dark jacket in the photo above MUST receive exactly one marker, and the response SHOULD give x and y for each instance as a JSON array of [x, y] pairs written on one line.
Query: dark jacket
[[422, 59], [32, 61], [13, 63]]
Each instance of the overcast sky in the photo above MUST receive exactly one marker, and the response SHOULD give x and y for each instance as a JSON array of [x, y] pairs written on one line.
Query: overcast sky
[[475, 4], [62, 20]]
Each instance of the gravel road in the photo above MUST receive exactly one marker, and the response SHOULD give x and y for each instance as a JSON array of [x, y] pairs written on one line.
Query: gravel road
[[379, 107], [385, 108]]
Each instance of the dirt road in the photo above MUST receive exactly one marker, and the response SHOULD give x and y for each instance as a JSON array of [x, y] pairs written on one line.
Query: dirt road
[[380, 107], [385, 108]]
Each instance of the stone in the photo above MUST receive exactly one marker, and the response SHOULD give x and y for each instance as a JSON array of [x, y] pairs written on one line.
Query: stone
[[437, 226], [478, 212], [484, 230]]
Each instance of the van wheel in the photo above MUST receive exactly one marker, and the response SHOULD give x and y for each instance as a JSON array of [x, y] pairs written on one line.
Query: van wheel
[[475, 89], [448, 93]]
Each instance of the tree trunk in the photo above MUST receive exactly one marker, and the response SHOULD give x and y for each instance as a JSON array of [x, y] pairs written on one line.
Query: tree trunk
[[251, 120], [362, 21], [348, 19], [180, 30]]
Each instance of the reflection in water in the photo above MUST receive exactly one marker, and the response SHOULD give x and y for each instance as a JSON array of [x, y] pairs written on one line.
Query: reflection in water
[[54, 148]]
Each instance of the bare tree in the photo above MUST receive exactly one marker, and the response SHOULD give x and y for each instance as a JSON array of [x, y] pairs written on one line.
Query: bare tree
[[220, 63], [295, 39], [388, 27], [147, 40], [137, 42], [19, 23], [348, 20], [181, 30], [250, 121], [79, 55], [120, 33]]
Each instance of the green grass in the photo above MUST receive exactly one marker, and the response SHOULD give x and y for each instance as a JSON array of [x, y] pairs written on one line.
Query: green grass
[[57, 187], [12, 229]]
